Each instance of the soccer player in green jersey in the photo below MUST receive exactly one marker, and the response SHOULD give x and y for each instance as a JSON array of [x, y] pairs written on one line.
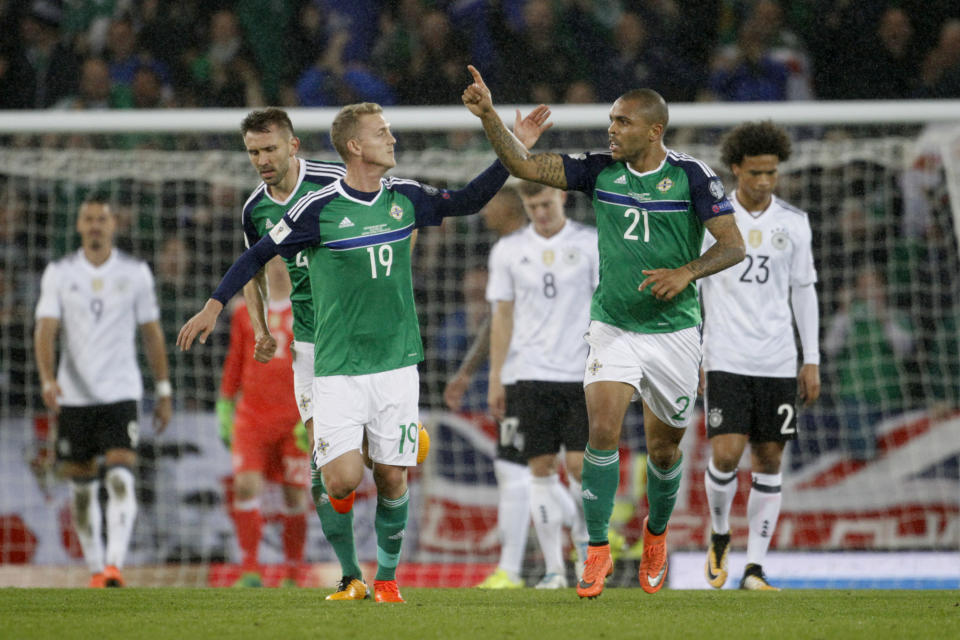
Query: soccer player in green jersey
[[355, 235], [652, 206], [272, 146]]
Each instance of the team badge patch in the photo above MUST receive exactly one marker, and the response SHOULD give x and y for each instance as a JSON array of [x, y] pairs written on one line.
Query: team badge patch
[[715, 417], [595, 367], [716, 188], [322, 446], [755, 237], [664, 185], [304, 402], [548, 257], [96, 284], [780, 239], [396, 212]]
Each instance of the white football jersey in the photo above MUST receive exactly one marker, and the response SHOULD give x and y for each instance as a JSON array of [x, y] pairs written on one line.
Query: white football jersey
[[748, 323], [99, 309], [551, 281]]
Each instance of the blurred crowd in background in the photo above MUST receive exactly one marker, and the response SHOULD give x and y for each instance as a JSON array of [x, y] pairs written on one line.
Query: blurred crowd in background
[[139, 54]]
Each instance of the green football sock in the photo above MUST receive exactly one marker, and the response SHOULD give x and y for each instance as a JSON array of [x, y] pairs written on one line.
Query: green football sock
[[337, 527], [601, 475], [390, 521], [662, 488]]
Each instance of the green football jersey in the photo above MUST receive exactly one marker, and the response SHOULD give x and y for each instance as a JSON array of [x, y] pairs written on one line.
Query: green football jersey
[[647, 220], [261, 212], [358, 260]]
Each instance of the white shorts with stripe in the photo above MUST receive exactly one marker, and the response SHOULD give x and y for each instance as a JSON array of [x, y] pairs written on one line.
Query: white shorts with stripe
[[663, 368], [303, 378], [385, 405]]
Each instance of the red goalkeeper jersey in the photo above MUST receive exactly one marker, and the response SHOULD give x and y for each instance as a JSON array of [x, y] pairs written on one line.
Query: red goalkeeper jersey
[[266, 397]]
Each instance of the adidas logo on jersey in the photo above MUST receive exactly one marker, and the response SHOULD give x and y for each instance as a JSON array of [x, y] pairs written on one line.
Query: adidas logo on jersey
[[268, 224], [621, 180], [346, 223], [588, 495]]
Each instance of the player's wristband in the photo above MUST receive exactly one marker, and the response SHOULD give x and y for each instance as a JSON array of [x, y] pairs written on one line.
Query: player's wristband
[[163, 389]]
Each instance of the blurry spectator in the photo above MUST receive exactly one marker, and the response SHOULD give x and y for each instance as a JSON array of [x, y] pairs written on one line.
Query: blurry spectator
[[748, 72], [52, 71], [308, 38], [785, 47], [867, 342], [638, 61], [580, 92], [265, 24], [96, 90], [896, 53], [399, 33], [941, 68], [225, 74], [330, 82], [86, 24], [542, 58], [437, 66]]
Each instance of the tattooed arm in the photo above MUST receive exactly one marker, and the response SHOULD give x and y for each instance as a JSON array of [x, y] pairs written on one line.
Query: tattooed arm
[[729, 249], [545, 168]]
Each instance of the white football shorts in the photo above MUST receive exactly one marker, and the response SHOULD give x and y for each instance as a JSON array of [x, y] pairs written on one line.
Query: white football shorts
[[663, 368], [303, 378], [385, 404]]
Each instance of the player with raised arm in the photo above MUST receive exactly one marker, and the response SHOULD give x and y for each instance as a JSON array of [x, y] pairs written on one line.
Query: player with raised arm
[[541, 281], [356, 236], [652, 205], [261, 430], [99, 296], [749, 350]]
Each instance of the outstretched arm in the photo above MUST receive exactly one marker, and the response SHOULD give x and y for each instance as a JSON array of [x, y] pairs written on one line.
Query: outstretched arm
[[729, 249], [545, 168], [245, 268]]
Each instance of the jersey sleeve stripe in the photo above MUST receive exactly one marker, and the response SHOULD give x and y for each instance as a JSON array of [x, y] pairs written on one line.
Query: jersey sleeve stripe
[[309, 198], [682, 157], [371, 240]]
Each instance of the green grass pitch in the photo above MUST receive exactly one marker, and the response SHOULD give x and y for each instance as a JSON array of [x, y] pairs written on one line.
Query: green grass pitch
[[528, 614]]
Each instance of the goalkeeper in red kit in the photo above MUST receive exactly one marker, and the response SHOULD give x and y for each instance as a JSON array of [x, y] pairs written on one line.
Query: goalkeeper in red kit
[[260, 421]]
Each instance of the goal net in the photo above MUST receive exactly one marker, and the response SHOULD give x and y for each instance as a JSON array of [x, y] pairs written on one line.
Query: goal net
[[875, 467]]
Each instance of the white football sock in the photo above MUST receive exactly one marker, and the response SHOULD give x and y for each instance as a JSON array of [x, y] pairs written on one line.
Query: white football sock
[[121, 513], [88, 521], [721, 487], [547, 511], [513, 513], [763, 509]]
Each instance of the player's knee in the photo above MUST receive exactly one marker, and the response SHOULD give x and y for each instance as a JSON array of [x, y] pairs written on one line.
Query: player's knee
[[725, 461], [391, 481], [119, 482], [663, 453]]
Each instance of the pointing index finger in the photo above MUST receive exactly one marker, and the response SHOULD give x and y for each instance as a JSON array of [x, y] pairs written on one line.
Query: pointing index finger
[[476, 75]]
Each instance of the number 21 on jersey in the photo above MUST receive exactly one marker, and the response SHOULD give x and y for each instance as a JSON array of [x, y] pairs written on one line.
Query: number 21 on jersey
[[632, 231]]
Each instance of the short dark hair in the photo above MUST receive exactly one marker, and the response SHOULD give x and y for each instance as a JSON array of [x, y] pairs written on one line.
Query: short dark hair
[[261, 120], [755, 139], [651, 103]]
